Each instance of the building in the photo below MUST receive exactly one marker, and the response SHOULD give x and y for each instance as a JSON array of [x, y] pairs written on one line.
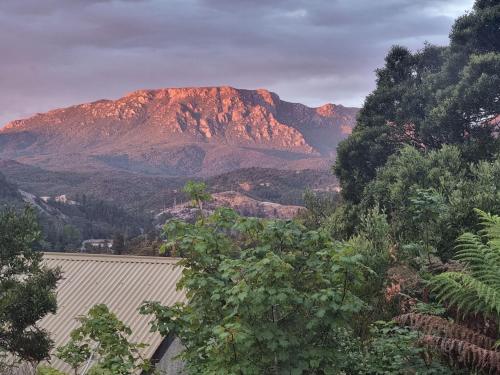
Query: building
[[96, 244], [122, 283]]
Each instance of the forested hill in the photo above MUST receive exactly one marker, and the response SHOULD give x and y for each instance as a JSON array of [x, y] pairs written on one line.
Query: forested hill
[[66, 222], [9, 193]]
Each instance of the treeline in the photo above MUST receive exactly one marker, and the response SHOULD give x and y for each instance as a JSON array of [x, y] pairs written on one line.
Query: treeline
[[89, 217], [65, 224], [8, 192]]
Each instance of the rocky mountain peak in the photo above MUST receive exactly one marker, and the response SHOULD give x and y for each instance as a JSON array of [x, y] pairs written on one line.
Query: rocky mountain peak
[[180, 130]]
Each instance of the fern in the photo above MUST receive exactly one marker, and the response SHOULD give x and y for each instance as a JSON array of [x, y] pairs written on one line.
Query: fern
[[477, 288], [474, 290], [466, 353], [435, 325]]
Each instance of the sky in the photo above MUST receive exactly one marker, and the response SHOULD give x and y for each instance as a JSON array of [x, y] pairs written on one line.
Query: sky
[[56, 53]]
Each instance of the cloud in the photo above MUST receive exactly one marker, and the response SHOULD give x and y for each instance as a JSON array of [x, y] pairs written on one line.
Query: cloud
[[61, 52]]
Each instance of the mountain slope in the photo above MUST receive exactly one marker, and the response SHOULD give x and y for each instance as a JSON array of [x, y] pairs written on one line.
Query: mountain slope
[[138, 192], [9, 194], [239, 202], [180, 132]]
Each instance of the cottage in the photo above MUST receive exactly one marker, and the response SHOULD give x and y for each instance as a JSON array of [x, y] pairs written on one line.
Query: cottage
[[122, 283]]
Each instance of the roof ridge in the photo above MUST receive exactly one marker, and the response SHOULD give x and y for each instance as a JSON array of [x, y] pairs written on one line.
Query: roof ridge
[[84, 257]]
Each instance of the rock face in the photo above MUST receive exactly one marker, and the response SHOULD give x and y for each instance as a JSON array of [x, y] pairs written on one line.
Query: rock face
[[180, 132], [241, 203]]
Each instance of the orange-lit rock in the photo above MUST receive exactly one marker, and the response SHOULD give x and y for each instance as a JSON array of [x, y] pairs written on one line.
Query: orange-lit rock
[[180, 131]]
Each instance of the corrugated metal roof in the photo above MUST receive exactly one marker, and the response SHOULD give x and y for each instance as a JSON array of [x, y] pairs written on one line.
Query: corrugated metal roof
[[120, 282]]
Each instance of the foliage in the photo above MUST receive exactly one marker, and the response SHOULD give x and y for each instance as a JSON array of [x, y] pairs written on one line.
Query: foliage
[[319, 207], [264, 296], [45, 370], [26, 288], [474, 290], [344, 221], [430, 324], [274, 185], [9, 194], [386, 120], [425, 152], [395, 350], [427, 206], [374, 243], [102, 340], [118, 243], [429, 198], [146, 244], [463, 346], [477, 289], [88, 218], [197, 192]]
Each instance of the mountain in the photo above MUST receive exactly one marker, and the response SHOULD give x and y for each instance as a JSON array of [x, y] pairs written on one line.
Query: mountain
[[180, 132]]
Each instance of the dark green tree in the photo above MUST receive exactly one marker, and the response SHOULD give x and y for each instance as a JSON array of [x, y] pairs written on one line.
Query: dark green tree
[[430, 197], [118, 243], [427, 206], [430, 98], [388, 118], [27, 289]]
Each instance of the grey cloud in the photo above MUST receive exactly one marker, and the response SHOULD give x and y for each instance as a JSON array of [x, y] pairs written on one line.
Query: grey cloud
[[61, 52]]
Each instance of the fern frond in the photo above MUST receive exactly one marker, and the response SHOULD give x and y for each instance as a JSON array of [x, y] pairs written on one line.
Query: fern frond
[[491, 227], [482, 261], [466, 292], [477, 289], [435, 325], [467, 354]]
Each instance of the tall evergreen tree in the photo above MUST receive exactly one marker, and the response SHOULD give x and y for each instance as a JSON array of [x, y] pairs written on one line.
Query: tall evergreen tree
[[430, 98], [26, 290]]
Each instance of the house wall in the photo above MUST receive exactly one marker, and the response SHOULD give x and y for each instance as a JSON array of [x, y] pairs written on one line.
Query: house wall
[[167, 363]]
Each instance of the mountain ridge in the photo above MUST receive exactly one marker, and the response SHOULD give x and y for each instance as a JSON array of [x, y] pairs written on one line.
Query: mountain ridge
[[180, 132]]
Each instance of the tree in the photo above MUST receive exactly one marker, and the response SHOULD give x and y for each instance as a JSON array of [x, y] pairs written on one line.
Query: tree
[[265, 296], [27, 289], [71, 236], [319, 207], [196, 191], [430, 98], [118, 243], [374, 244], [429, 198], [477, 31], [102, 342], [427, 206], [388, 119]]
